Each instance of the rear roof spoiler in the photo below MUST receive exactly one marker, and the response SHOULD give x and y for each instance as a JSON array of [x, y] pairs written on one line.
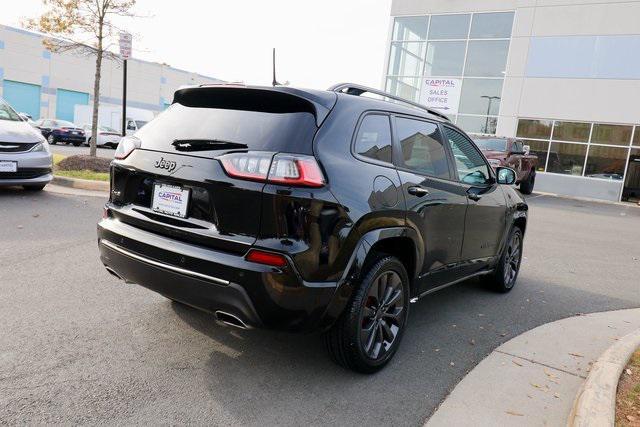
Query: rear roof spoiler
[[258, 98]]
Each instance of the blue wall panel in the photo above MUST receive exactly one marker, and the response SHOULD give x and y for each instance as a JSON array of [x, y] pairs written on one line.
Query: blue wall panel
[[23, 97], [66, 100]]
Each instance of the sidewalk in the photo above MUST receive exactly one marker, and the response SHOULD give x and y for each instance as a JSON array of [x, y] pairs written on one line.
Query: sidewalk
[[533, 379]]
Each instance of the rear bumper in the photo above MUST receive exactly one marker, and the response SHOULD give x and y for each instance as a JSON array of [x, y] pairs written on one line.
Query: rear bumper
[[260, 296]]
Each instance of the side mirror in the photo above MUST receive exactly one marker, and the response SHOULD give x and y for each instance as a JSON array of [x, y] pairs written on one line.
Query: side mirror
[[526, 149], [505, 175]]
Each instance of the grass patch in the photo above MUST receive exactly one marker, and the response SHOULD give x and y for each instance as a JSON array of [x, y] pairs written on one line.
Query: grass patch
[[83, 167], [628, 395], [57, 158], [84, 174]]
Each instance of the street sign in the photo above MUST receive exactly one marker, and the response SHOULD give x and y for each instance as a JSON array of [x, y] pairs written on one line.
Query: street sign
[[125, 45], [441, 94]]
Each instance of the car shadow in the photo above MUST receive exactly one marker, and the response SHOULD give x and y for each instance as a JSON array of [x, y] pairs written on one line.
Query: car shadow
[[266, 377]]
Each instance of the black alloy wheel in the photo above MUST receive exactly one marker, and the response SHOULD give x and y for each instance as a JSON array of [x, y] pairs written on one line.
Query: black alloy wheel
[[504, 277], [369, 331], [512, 259], [382, 315]]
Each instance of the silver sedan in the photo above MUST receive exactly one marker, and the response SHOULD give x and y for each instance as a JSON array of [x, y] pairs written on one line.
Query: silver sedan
[[25, 157]]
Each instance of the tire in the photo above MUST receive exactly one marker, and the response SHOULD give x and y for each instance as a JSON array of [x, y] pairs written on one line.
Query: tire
[[359, 340], [526, 187], [38, 187], [51, 139], [77, 143], [504, 277]]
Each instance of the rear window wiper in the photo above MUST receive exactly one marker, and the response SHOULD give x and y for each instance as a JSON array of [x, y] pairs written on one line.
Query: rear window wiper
[[206, 144]]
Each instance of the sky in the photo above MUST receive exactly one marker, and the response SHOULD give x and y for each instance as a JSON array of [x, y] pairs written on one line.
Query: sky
[[318, 43]]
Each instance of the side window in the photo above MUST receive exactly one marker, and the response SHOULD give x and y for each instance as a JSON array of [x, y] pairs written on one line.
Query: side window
[[374, 138], [517, 147], [469, 162], [422, 149]]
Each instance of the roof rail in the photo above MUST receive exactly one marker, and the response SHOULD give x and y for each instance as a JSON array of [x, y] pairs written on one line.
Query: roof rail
[[357, 90]]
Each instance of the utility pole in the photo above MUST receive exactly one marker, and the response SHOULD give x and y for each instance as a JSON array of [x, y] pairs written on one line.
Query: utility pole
[[124, 98]]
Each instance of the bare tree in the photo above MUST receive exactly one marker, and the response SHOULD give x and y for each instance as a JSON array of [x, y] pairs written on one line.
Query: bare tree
[[85, 27]]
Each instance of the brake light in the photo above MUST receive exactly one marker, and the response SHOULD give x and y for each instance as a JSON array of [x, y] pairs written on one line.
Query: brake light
[[287, 169], [266, 258], [251, 166], [126, 147]]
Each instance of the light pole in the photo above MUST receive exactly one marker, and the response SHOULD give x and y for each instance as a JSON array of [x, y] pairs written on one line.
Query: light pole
[[486, 122]]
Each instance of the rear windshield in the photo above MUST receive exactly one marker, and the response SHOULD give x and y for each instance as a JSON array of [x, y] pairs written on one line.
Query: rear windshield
[[200, 130], [491, 144]]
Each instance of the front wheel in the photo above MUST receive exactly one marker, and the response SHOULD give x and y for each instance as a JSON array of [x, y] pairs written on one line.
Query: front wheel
[[369, 331], [503, 278], [526, 187], [51, 139]]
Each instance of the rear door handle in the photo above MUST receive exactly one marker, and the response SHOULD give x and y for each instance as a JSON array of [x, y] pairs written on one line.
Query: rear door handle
[[418, 191]]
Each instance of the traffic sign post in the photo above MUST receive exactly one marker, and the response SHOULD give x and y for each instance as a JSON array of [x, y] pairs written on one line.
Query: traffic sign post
[[125, 53]]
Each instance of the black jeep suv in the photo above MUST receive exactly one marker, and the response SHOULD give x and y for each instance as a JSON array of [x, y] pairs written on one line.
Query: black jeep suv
[[308, 210]]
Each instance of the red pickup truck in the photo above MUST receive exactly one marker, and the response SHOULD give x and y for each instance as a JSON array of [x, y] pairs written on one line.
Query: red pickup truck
[[510, 152]]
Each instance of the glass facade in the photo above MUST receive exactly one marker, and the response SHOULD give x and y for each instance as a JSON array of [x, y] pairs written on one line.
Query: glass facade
[[593, 150], [470, 48]]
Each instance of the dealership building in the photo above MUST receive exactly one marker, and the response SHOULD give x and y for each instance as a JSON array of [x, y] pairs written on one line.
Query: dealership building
[[561, 75], [46, 84]]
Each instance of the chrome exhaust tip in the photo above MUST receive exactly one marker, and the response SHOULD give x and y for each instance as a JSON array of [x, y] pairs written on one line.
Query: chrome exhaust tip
[[230, 319]]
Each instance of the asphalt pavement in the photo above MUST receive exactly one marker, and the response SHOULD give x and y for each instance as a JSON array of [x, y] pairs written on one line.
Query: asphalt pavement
[[70, 150], [79, 346]]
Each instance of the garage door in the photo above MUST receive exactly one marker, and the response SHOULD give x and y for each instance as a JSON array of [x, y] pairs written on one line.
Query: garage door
[[66, 100], [23, 97]]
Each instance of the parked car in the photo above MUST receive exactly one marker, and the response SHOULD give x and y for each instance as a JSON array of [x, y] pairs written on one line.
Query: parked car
[[25, 158], [27, 118], [300, 210], [61, 131], [512, 153], [107, 137]]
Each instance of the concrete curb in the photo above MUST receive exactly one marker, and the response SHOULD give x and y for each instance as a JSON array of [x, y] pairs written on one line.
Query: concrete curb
[[595, 403], [83, 184]]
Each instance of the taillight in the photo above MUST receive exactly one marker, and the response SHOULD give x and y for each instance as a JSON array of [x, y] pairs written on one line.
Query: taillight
[[287, 169], [266, 258], [126, 147], [252, 166]]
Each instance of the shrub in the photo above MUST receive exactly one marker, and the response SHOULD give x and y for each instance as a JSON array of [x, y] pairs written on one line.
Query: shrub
[[82, 162]]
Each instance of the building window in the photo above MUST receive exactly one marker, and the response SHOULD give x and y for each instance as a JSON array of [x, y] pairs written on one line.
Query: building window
[[486, 58], [406, 58], [449, 27], [534, 129], [410, 28], [492, 25], [611, 134], [469, 50], [480, 96], [406, 87], [477, 124], [571, 131], [445, 58], [606, 162], [567, 159], [593, 150]]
